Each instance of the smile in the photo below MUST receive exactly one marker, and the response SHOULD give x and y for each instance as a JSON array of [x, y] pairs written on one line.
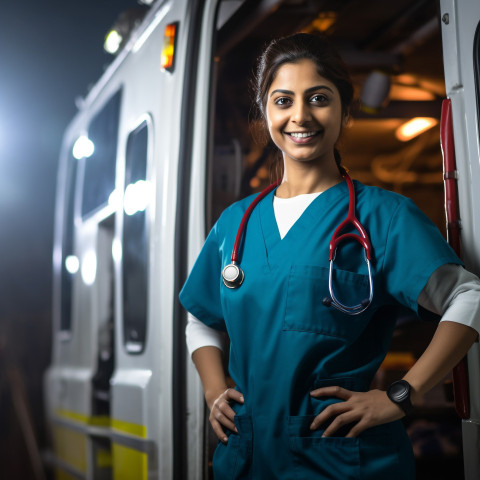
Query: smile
[[302, 134]]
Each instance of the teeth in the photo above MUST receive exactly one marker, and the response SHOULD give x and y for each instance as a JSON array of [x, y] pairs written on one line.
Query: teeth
[[302, 135]]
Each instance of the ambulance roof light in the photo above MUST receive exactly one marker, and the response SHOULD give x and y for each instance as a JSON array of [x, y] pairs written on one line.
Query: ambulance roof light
[[112, 43]]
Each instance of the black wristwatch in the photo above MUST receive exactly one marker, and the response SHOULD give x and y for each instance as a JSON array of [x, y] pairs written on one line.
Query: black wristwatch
[[399, 393]]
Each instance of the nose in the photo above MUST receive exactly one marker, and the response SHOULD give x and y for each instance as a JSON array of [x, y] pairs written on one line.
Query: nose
[[301, 113]]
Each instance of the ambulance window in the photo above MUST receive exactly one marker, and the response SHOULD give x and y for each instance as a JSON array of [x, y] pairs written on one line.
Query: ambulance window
[[135, 242], [99, 181], [69, 260]]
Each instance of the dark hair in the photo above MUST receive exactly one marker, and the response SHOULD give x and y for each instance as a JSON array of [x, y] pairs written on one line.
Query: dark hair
[[298, 47]]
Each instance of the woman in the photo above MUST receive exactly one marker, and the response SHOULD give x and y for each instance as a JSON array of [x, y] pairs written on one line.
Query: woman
[[301, 407]]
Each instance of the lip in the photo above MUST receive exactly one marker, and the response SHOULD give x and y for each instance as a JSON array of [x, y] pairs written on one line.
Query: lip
[[303, 140]]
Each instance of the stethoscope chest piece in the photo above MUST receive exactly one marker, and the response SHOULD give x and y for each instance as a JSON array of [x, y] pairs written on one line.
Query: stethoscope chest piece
[[232, 275]]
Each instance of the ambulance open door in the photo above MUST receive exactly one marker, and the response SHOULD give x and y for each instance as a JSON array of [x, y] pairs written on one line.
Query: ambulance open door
[[460, 21]]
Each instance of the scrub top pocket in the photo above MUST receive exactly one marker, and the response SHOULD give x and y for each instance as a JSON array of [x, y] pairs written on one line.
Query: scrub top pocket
[[232, 461], [379, 453], [305, 311], [332, 458]]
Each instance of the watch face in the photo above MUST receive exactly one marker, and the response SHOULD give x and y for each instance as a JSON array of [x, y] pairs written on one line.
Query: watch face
[[399, 391]]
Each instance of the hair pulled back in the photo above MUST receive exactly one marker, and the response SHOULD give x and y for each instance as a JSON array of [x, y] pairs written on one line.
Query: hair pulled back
[[298, 47]]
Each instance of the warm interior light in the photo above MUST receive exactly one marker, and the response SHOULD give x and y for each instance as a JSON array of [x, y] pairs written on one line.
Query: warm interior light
[[168, 50], [255, 182], [410, 93], [414, 127], [324, 21], [112, 43]]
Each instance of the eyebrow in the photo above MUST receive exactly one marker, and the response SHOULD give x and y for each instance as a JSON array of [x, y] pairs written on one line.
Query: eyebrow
[[308, 90]]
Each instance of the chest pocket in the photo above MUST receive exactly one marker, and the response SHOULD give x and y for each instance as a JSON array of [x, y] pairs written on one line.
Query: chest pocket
[[305, 311]]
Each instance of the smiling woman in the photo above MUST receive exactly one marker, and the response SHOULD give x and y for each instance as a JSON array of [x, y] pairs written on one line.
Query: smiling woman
[[303, 370], [304, 116], [304, 93]]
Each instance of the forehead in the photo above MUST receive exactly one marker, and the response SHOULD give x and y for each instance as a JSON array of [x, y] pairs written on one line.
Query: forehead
[[299, 76]]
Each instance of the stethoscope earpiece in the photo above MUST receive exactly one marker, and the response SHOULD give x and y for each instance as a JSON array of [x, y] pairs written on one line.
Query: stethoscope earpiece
[[232, 275]]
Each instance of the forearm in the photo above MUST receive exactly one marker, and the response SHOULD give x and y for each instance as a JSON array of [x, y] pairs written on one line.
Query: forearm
[[209, 364], [448, 346]]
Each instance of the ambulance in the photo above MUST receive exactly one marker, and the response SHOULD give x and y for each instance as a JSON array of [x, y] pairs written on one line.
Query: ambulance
[[164, 141]]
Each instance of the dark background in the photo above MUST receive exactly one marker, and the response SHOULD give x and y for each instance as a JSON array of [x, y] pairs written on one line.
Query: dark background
[[51, 51]]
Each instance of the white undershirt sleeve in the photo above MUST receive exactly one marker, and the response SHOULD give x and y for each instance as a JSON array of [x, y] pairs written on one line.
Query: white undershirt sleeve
[[198, 335], [453, 293]]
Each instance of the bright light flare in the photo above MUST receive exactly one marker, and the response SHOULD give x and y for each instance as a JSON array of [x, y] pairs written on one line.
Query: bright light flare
[[414, 127], [72, 264], [117, 250], [137, 197], [112, 43], [89, 267], [115, 199], [83, 147]]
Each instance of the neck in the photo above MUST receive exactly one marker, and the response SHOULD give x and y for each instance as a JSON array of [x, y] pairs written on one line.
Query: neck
[[300, 178]]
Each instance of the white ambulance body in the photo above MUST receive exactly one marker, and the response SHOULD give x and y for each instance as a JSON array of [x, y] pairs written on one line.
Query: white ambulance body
[[145, 169], [461, 51]]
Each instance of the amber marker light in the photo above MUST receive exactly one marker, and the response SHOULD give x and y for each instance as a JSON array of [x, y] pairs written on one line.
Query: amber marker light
[[414, 127], [168, 50]]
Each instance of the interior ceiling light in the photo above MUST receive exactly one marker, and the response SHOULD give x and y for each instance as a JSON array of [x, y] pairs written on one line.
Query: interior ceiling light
[[408, 93], [406, 79], [322, 22], [414, 127]]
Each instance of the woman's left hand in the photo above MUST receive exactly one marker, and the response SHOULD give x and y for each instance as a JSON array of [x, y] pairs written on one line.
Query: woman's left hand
[[364, 409]]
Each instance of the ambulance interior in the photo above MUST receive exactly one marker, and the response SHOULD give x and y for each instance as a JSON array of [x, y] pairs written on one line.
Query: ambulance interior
[[398, 45]]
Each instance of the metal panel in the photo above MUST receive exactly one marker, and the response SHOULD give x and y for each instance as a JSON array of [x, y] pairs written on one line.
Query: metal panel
[[459, 23]]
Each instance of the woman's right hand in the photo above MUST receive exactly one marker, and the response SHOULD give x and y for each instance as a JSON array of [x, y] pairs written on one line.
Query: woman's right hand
[[222, 414]]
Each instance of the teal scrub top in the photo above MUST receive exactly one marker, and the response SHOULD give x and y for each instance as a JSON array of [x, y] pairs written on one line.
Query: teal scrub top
[[284, 342]]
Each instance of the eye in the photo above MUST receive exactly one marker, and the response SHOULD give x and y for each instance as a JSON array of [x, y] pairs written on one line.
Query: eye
[[319, 99], [283, 101]]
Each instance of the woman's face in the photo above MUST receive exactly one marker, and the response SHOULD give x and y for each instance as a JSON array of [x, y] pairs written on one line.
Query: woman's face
[[304, 113]]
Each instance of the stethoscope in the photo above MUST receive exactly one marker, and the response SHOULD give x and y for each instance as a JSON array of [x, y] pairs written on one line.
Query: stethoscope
[[233, 275]]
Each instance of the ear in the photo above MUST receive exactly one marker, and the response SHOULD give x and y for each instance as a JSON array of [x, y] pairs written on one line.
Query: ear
[[347, 120]]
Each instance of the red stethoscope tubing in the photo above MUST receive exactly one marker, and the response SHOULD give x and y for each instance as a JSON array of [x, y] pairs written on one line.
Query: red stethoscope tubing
[[336, 237], [350, 220], [233, 275], [246, 216]]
